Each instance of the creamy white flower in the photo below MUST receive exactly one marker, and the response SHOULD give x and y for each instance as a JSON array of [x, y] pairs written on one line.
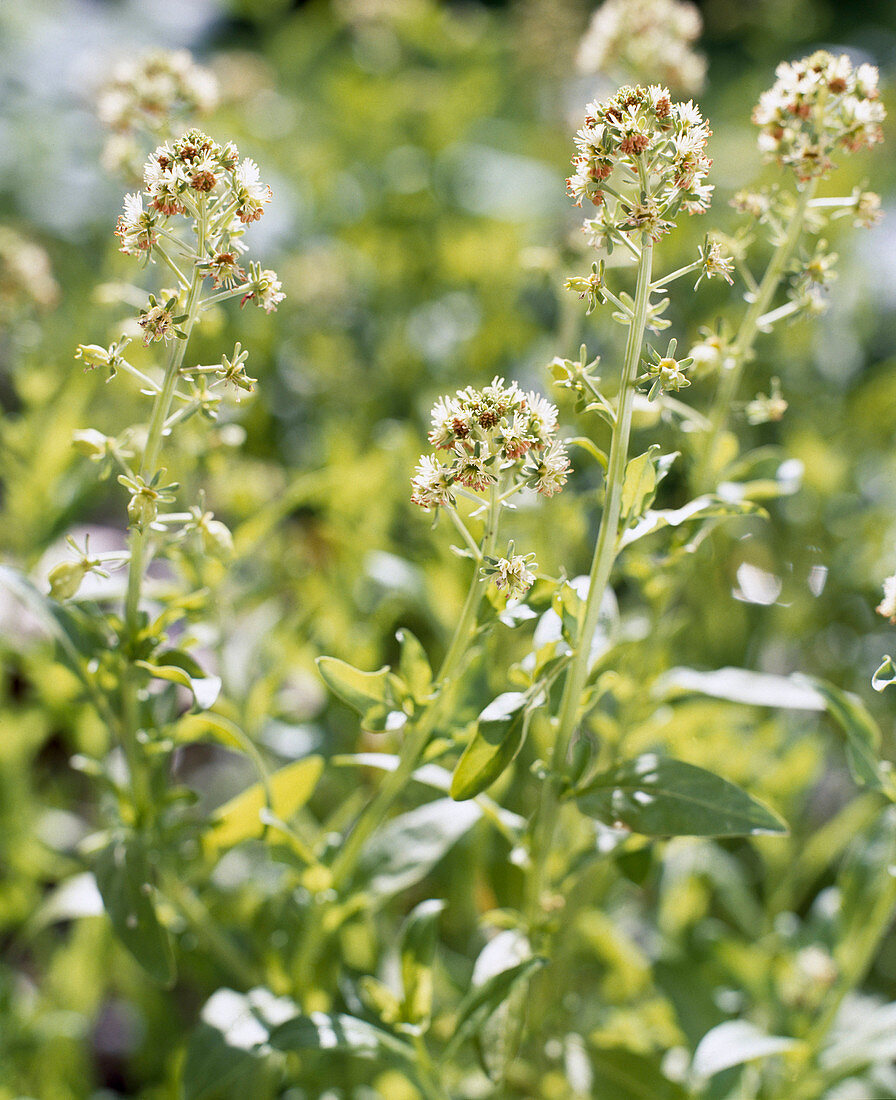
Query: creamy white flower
[[887, 606]]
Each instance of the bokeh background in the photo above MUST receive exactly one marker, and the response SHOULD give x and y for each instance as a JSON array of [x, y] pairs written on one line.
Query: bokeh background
[[417, 152]]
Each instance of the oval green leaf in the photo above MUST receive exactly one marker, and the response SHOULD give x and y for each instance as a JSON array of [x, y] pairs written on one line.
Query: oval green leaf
[[498, 737], [657, 796]]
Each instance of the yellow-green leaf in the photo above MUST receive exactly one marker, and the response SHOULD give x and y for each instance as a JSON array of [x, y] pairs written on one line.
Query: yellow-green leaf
[[239, 819]]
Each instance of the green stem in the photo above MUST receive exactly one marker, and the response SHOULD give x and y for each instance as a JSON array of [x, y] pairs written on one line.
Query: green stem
[[138, 549], [419, 735], [413, 746], [742, 347], [601, 567]]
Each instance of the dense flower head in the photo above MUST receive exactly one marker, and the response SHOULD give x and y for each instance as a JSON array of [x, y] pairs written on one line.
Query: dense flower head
[[486, 431], [887, 606], [645, 38], [817, 106], [149, 91], [641, 130]]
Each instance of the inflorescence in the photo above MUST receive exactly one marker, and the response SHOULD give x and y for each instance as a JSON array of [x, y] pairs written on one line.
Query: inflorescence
[[498, 428], [660, 146]]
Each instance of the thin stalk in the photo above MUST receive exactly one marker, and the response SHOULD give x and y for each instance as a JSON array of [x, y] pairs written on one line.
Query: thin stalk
[[138, 550], [666, 279], [743, 344], [418, 736], [601, 567], [413, 746]]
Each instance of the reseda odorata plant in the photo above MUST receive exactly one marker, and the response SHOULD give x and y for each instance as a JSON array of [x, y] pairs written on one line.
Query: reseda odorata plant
[[188, 220]]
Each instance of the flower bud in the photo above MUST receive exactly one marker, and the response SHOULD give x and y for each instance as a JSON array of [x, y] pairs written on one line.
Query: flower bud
[[66, 577], [142, 509], [91, 443]]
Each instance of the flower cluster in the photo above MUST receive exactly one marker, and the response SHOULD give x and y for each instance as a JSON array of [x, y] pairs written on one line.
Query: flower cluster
[[142, 92], [817, 106], [511, 574], [887, 606], [641, 132], [645, 38], [181, 177], [150, 93], [485, 432]]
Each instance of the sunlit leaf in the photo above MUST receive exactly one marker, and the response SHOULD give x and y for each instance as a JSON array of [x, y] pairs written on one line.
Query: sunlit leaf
[[406, 848], [657, 796], [418, 945], [239, 819], [360, 690], [497, 738], [205, 689], [732, 1044], [885, 675]]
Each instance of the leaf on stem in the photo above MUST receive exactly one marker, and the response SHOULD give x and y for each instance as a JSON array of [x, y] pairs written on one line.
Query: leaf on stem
[[239, 819], [497, 738], [657, 796], [125, 882]]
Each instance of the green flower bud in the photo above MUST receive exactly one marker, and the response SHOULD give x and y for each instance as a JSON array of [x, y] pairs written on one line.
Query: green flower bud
[[66, 577]]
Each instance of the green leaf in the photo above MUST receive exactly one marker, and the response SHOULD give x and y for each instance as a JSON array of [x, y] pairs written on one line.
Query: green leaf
[[414, 666], [656, 796], [639, 485], [239, 819], [418, 945], [498, 736], [739, 685], [862, 736], [228, 1054], [483, 1000], [732, 1044], [205, 689], [432, 775], [360, 690], [125, 882], [705, 507], [624, 1075], [406, 848], [885, 675], [341, 1034], [587, 445]]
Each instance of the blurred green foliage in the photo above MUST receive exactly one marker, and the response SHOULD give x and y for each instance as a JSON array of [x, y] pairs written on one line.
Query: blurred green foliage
[[417, 153]]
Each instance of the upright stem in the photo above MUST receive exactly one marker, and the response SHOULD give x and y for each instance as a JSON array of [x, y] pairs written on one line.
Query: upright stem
[[418, 736], [412, 748], [139, 540], [746, 335], [601, 567]]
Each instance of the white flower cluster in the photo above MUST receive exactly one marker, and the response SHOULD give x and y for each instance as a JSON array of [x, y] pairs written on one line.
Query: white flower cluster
[[641, 127], [817, 106], [184, 175], [646, 38], [148, 91], [511, 574], [887, 606], [486, 431]]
